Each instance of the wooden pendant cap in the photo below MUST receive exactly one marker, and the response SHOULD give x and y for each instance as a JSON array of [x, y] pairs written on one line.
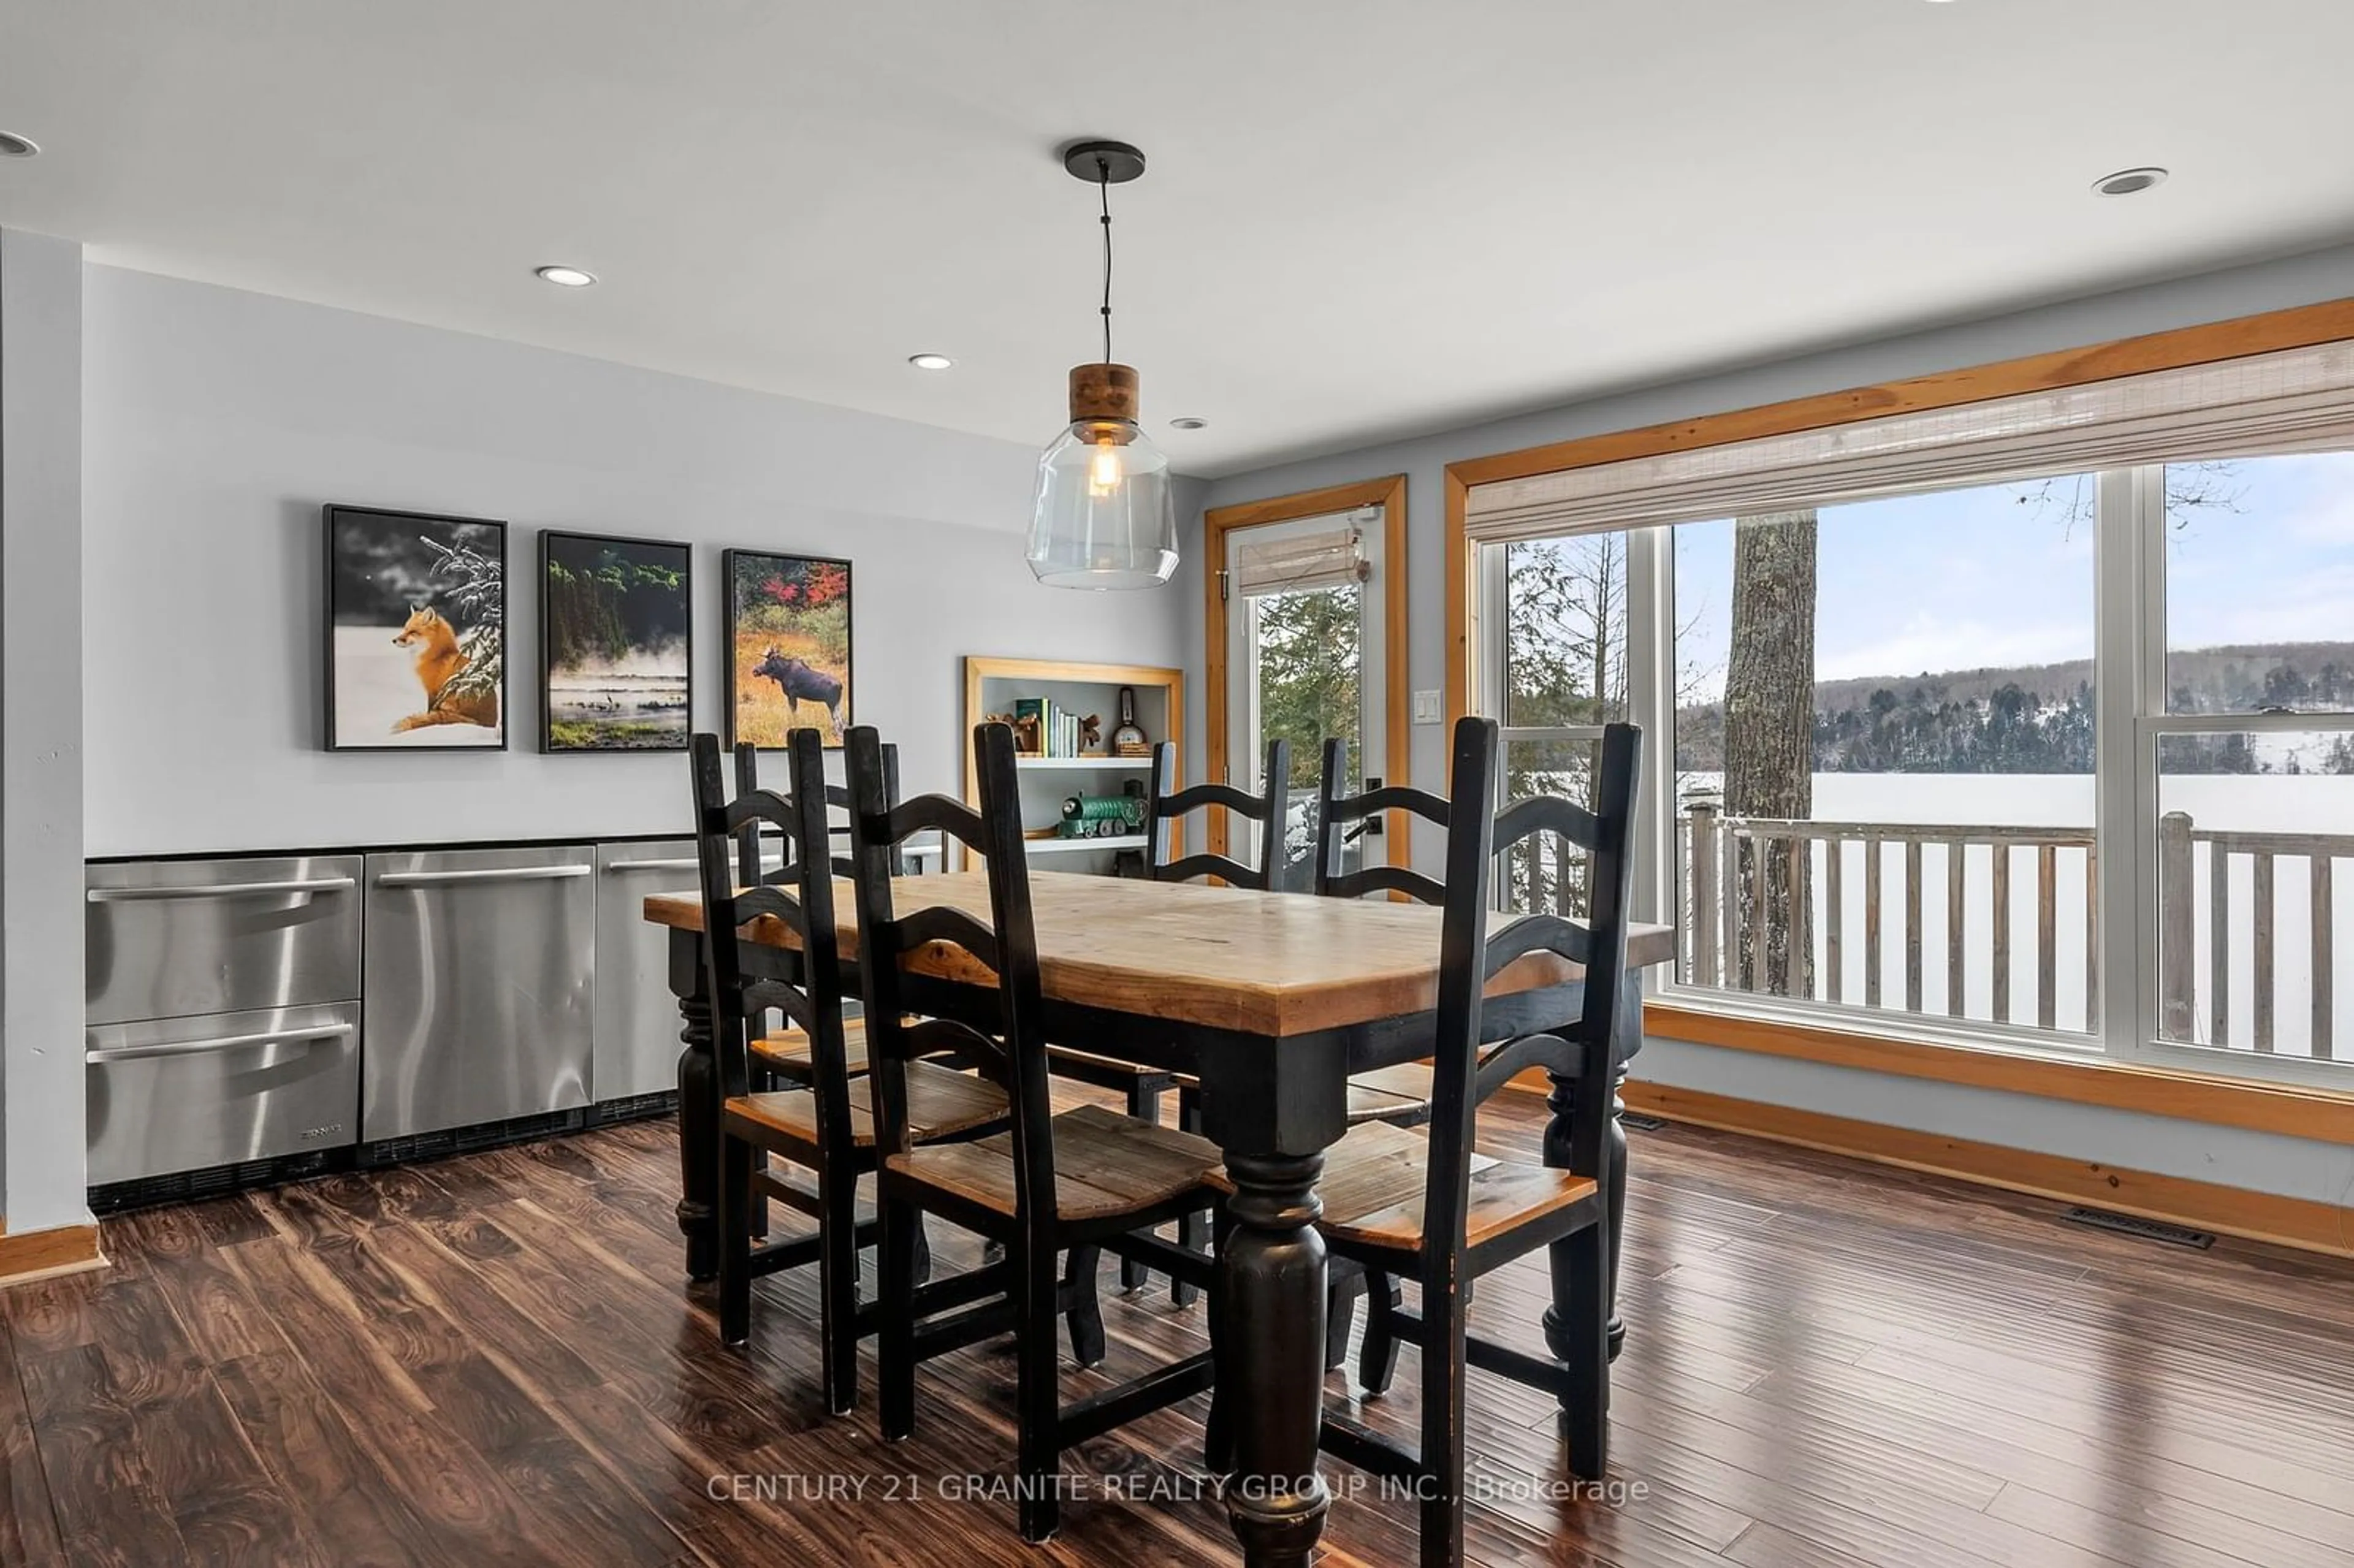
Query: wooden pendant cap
[[1100, 391]]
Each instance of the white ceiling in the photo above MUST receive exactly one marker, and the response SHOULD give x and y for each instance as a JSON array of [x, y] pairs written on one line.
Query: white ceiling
[[1363, 217]]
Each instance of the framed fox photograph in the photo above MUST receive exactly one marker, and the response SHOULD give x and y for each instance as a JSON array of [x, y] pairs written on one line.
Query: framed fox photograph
[[617, 643], [787, 647], [416, 631]]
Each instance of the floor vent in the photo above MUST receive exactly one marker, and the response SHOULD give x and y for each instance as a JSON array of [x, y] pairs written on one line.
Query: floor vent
[[213, 1182], [637, 1108], [1634, 1123], [2135, 1225]]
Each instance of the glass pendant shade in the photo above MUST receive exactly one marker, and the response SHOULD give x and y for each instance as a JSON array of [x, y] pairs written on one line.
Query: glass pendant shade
[[1106, 517]]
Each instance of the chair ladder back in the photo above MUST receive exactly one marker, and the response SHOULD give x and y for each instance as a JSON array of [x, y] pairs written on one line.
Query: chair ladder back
[[837, 795], [1335, 809], [1020, 992], [1462, 976], [750, 979], [1598, 943], [1610, 881], [886, 934], [1165, 806]]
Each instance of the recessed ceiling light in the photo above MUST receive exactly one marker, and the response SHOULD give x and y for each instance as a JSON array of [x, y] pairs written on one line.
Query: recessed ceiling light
[[1188, 423], [14, 146], [566, 277], [2128, 182], [930, 361]]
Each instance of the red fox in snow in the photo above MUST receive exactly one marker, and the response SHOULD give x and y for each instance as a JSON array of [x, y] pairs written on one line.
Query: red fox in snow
[[438, 663]]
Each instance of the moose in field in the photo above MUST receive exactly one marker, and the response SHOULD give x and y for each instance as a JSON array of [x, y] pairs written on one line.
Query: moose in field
[[802, 684]]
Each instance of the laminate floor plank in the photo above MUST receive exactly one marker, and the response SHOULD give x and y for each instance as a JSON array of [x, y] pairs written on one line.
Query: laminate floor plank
[[324, 1477], [496, 1359], [109, 1511], [29, 1524]]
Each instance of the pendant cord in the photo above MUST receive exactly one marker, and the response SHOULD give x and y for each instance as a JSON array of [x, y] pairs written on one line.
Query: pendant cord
[[1103, 183]]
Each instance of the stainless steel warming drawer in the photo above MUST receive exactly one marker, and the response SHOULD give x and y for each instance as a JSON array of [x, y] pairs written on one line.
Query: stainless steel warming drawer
[[169, 938], [182, 1094], [479, 986], [222, 1008]]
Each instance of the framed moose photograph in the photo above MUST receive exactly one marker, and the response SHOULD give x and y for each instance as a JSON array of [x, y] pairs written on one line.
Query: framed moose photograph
[[787, 647], [416, 631], [617, 643]]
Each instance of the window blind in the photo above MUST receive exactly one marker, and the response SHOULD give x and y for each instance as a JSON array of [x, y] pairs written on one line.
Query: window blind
[[2297, 401], [1320, 560]]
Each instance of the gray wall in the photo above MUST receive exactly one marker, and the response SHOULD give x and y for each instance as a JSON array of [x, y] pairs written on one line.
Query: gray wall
[[40, 732], [2288, 1166], [218, 421]]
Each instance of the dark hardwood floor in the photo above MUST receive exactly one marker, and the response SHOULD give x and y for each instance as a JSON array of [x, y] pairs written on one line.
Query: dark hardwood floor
[[492, 1362]]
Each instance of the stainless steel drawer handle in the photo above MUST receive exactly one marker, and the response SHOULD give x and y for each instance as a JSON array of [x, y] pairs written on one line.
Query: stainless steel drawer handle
[[221, 889], [487, 874], [219, 1042], [689, 864]]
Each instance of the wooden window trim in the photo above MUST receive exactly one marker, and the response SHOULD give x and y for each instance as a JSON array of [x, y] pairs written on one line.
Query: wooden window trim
[[2301, 327], [2291, 1111], [1389, 494]]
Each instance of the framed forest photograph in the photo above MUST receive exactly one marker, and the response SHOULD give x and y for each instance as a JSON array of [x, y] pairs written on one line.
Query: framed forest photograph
[[617, 643], [787, 647], [416, 631]]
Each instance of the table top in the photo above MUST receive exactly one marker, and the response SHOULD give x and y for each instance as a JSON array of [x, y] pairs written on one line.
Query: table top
[[1226, 958]]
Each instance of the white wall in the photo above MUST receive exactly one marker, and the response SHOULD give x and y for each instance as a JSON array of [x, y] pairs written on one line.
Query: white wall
[[218, 422], [40, 733], [2289, 1166]]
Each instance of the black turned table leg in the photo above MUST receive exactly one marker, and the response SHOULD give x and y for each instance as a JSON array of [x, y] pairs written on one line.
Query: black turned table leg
[[698, 1108], [1271, 1356]]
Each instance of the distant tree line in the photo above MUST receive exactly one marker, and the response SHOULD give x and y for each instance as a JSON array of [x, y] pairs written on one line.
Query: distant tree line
[[2041, 719]]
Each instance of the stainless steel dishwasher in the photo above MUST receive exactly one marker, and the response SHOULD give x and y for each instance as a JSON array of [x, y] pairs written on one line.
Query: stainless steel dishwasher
[[480, 986], [222, 1002], [638, 1022]]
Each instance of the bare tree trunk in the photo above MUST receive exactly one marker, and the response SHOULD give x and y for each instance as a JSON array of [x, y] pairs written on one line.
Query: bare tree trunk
[[1769, 726]]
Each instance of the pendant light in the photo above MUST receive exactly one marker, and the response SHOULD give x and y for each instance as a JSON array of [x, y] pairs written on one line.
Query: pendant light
[[1106, 517]]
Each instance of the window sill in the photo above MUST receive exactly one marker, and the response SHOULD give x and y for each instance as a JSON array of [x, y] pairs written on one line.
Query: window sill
[[2291, 1111]]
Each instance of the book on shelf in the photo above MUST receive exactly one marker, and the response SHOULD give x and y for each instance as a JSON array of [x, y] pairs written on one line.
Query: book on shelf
[[1042, 728]]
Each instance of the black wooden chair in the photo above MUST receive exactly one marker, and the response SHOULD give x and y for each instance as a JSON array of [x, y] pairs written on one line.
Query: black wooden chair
[[1425, 1205], [1165, 806], [821, 1129], [784, 1056], [1076, 1185], [1399, 1094]]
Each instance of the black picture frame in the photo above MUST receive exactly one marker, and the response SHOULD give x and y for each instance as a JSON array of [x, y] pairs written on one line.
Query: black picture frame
[[552, 540], [742, 684], [366, 574]]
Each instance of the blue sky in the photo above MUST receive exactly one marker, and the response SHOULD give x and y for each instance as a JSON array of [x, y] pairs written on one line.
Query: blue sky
[[2004, 575]]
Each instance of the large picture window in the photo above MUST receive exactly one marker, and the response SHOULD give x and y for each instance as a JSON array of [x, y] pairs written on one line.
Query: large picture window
[[2064, 756]]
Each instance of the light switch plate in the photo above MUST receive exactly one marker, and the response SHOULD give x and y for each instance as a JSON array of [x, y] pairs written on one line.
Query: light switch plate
[[1427, 709]]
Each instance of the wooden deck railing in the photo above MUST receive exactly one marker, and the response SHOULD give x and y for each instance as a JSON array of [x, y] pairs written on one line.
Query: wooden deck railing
[[1728, 862], [2008, 890], [2178, 857]]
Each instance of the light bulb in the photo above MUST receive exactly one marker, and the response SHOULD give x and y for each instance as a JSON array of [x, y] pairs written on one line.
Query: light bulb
[[1104, 472]]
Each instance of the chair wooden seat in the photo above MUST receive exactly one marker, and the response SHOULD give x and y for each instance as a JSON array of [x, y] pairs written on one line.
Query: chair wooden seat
[[1376, 1180], [941, 1104], [1105, 1165], [787, 1051], [1400, 1094]]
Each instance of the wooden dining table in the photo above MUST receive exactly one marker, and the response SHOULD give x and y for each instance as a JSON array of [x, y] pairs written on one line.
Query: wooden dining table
[[1272, 999]]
